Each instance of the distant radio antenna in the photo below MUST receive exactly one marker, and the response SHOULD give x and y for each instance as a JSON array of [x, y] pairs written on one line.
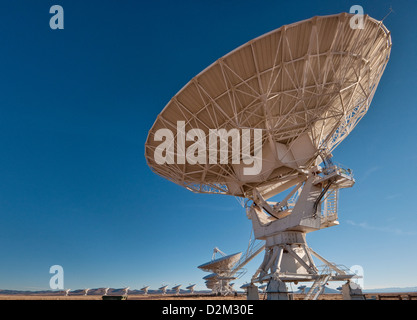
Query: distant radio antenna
[[145, 289], [191, 288], [177, 289], [66, 292], [229, 268], [219, 280], [163, 289], [86, 291], [106, 290]]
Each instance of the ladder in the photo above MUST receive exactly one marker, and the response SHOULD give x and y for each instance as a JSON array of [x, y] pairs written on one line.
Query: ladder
[[318, 287], [329, 211]]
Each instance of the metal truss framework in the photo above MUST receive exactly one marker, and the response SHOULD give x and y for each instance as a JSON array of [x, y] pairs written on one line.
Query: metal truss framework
[[316, 78]]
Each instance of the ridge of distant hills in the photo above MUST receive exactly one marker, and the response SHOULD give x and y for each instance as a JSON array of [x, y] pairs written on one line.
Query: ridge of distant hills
[[381, 290], [392, 289]]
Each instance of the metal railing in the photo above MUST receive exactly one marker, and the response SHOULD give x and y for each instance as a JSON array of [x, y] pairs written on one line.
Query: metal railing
[[337, 167]]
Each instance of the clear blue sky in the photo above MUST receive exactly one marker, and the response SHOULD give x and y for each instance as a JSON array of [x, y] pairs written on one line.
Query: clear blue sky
[[75, 108]]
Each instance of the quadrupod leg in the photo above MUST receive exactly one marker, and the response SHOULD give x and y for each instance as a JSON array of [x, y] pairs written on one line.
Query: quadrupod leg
[[286, 253], [292, 262], [286, 256]]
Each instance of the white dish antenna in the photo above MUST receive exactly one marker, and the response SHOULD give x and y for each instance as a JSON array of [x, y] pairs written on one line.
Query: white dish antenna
[[291, 96], [177, 289], [221, 264], [145, 289], [220, 282], [191, 288], [304, 85], [223, 271], [163, 289], [211, 276]]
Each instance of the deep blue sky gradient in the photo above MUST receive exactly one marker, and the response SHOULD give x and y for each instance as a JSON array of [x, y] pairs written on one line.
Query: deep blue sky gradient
[[75, 108]]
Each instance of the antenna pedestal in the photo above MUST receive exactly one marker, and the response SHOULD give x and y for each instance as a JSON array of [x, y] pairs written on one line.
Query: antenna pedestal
[[289, 259], [287, 256]]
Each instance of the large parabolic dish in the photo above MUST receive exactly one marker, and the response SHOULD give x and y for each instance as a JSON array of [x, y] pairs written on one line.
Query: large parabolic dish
[[305, 85]]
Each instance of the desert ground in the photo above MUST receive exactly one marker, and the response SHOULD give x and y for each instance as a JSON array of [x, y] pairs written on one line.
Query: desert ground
[[329, 296]]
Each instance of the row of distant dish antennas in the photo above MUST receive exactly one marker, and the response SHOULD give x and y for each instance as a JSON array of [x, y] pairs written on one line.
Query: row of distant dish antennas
[[103, 290], [145, 289], [176, 288]]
